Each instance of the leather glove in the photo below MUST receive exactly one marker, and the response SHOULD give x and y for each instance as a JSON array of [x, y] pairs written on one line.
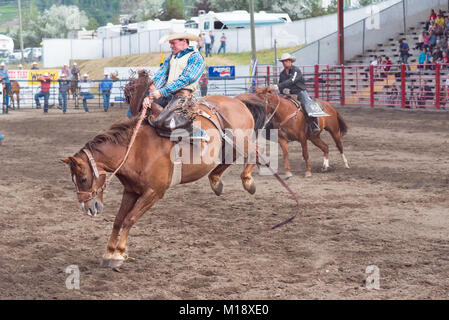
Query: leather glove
[[286, 91], [275, 87]]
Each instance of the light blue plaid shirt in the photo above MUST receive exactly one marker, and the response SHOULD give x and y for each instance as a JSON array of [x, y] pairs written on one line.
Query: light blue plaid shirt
[[193, 71]]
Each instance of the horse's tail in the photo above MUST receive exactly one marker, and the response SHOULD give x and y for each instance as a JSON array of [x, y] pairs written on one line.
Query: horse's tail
[[341, 123], [257, 108]]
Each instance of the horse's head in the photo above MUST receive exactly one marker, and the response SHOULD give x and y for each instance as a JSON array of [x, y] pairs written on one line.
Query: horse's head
[[270, 97], [136, 89], [89, 182]]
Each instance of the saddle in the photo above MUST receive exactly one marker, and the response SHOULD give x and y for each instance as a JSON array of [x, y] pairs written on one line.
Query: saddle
[[293, 98], [176, 119]]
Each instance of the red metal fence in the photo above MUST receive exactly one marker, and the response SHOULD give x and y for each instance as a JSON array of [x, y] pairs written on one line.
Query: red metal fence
[[399, 86]]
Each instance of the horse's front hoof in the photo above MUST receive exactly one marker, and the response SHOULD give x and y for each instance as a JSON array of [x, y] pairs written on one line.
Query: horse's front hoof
[[115, 264], [288, 175], [250, 187], [105, 263]]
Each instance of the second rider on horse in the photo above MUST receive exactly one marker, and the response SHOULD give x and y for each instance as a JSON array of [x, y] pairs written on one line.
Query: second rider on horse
[[291, 81]]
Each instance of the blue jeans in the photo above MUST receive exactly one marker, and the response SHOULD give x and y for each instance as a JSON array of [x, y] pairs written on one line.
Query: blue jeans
[[106, 96], [86, 96], [222, 46], [46, 96], [6, 94], [208, 49], [62, 98]]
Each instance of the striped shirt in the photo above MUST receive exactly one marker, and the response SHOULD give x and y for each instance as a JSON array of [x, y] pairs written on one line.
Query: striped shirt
[[193, 71]]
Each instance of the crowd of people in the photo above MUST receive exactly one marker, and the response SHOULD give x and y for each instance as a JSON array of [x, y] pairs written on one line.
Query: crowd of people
[[66, 78], [433, 42]]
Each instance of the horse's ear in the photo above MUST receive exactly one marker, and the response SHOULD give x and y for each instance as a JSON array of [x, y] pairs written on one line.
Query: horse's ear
[[65, 160]]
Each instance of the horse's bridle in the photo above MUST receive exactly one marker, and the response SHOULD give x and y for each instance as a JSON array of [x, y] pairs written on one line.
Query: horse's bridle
[[273, 113], [84, 196]]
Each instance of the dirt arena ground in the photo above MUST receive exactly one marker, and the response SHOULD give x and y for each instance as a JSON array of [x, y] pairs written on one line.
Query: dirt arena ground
[[390, 210]]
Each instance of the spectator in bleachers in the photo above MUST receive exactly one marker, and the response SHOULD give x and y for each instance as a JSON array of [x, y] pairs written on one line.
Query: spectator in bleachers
[[387, 66], [404, 52], [432, 40], [379, 68], [444, 61], [433, 15], [420, 42], [374, 64], [422, 59], [429, 59], [437, 55], [439, 21], [432, 26]]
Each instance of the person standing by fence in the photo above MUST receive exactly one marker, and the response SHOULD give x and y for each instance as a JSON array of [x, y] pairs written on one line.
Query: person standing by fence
[[45, 81], [204, 81], [64, 85], [105, 88], [5, 77], [208, 43], [222, 44], [85, 86]]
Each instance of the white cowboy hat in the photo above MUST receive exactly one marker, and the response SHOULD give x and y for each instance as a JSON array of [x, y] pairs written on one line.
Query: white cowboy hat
[[74, 63], [85, 75], [34, 62], [287, 56], [46, 74], [63, 76], [106, 74], [178, 32], [2, 64]]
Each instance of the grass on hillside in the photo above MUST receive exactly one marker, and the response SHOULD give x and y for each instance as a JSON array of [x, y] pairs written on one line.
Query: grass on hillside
[[95, 67]]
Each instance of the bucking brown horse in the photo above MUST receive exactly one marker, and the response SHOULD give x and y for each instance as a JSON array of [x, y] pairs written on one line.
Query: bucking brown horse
[[152, 163], [292, 126]]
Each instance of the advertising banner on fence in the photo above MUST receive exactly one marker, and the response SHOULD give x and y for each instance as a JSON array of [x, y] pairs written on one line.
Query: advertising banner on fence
[[222, 72], [29, 86]]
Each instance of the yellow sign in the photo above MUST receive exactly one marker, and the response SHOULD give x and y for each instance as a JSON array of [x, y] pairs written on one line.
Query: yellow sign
[[33, 75]]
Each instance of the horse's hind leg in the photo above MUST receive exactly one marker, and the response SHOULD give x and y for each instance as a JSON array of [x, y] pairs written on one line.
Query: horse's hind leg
[[337, 138], [215, 178], [316, 140]]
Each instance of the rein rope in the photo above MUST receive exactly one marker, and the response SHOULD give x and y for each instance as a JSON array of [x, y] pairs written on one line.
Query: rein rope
[[131, 142], [273, 113]]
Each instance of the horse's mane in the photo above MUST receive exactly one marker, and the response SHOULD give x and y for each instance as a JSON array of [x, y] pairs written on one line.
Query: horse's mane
[[256, 106], [119, 133], [136, 89]]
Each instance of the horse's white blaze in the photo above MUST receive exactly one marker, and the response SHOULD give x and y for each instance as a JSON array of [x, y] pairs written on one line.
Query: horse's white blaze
[[345, 160]]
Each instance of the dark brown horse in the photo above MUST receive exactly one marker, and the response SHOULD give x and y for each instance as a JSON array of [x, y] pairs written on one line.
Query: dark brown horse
[[153, 165], [293, 127]]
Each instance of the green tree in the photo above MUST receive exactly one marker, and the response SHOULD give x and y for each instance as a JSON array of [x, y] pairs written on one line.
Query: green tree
[[173, 9], [93, 24]]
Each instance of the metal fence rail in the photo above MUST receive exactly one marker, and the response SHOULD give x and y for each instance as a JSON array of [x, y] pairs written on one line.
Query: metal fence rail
[[397, 86]]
